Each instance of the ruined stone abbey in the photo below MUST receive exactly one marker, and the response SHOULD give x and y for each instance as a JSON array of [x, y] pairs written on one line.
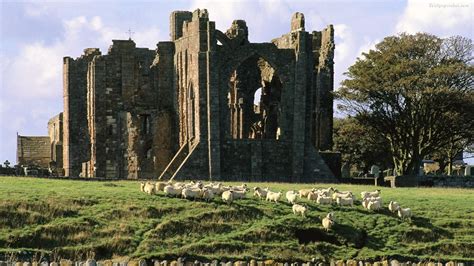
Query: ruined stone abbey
[[190, 108]]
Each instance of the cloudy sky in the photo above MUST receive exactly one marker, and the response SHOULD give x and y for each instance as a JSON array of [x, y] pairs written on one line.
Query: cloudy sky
[[36, 35]]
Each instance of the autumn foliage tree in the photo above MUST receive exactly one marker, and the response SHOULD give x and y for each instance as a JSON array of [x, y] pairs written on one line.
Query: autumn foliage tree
[[416, 91]]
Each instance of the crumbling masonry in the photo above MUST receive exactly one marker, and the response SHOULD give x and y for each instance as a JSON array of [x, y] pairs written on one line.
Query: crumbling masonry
[[190, 109]]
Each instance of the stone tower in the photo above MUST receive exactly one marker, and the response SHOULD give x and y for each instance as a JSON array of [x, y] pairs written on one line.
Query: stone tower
[[225, 133]]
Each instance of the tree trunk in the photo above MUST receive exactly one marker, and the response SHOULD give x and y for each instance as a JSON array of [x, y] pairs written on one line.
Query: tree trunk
[[450, 167]]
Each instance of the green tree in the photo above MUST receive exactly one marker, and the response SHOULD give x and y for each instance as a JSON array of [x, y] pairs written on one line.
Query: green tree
[[414, 90], [447, 154], [360, 146]]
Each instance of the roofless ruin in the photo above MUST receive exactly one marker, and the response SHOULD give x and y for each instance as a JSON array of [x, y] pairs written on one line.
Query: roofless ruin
[[190, 108]]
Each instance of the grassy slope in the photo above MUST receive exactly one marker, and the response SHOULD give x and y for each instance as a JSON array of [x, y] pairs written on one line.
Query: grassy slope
[[113, 219]]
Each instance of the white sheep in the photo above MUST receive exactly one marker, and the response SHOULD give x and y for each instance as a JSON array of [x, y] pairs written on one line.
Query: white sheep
[[345, 194], [291, 196], [323, 200], [297, 208], [303, 193], [328, 191], [366, 194], [159, 186], [365, 202], [239, 194], [273, 196], [228, 196], [376, 199], [393, 206], [191, 193], [241, 187], [328, 221], [260, 193], [207, 194], [149, 188], [404, 213], [345, 201], [172, 190], [312, 196], [142, 186], [217, 189], [374, 205]]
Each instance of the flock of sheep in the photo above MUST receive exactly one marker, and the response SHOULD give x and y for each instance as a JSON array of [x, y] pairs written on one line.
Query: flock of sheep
[[197, 190]]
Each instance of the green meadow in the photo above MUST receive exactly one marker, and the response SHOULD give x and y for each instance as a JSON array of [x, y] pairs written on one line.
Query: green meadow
[[114, 220]]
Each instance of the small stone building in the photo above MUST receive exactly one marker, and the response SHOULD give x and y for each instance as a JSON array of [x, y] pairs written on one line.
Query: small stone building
[[207, 104], [33, 150]]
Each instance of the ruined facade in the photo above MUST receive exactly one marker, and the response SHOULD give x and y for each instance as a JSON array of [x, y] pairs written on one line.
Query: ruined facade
[[119, 118], [207, 104]]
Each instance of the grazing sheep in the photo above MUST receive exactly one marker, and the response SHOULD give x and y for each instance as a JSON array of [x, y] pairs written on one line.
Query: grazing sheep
[[393, 206], [303, 193], [228, 196], [345, 194], [191, 193], [241, 187], [297, 208], [328, 221], [365, 203], [291, 196], [375, 199], [172, 190], [240, 194], [366, 194], [159, 186], [273, 196], [323, 200], [404, 213], [207, 194], [341, 201], [260, 193], [328, 191], [142, 186], [217, 189], [374, 205], [312, 196], [149, 188], [178, 184]]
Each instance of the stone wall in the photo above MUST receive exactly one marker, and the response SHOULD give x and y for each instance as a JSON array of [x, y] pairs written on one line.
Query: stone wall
[[55, 132], [130, 112], [32, 150], [447, 181], [76, 139], [430, 181], [269, 262]]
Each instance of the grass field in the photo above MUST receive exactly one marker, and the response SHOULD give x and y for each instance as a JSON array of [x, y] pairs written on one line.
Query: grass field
[[77, 219]]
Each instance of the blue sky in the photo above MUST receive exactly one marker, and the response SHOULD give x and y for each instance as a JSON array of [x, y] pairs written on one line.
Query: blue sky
[[36, 35]]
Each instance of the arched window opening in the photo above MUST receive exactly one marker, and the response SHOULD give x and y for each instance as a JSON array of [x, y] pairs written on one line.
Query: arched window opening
[[254, 100]]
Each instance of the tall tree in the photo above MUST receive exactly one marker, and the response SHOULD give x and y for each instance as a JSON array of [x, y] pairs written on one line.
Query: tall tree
[[416, 91], [359, 145]]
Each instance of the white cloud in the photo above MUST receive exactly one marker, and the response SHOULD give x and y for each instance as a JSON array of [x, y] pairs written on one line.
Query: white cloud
[[37, 70], [369, 44], [260, 24], [345, 42], [436, 16], [36, 9], [31, 80]]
